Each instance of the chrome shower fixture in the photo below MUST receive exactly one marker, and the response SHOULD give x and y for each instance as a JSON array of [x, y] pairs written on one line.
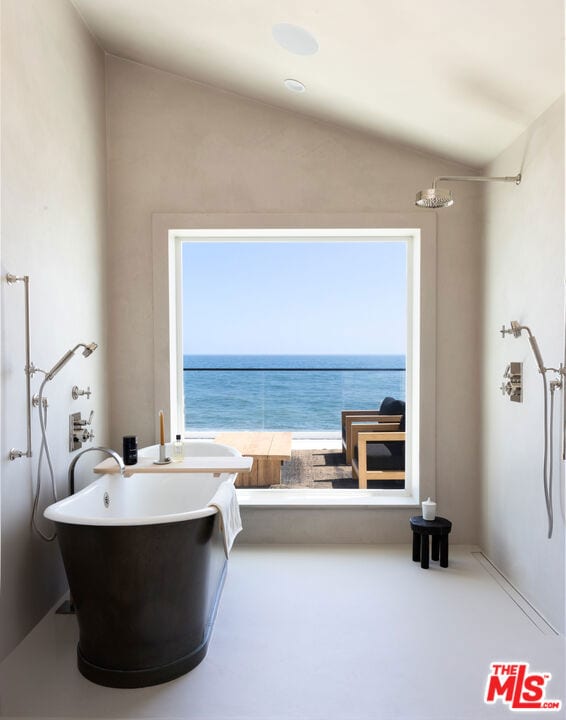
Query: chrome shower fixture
[[439, 198], [516, 329], [44, 449], [434, 197], [88, 350], [12, 279]]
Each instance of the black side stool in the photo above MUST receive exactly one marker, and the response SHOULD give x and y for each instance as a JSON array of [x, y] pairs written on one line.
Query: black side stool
[[439, 528]]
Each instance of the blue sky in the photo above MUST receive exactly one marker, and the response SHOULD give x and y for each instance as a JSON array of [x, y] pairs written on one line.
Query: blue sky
[[287, 298]]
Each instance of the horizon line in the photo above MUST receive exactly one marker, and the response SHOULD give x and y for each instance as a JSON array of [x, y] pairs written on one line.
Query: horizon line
[[295, 354]]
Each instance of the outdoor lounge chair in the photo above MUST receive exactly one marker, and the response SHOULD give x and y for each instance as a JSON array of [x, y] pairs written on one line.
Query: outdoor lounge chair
[[390, 411], [377, 443], [375, 457]]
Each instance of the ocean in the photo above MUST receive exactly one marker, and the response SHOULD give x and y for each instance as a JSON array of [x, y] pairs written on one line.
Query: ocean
[[285, 392]]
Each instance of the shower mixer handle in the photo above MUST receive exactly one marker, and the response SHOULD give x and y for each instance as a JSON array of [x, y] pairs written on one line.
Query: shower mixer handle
[[84, 435], [76, 392], [510, 330], [78, 424]]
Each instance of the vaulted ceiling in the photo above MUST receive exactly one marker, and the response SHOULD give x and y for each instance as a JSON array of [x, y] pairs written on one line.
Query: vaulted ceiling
[[455, 78]]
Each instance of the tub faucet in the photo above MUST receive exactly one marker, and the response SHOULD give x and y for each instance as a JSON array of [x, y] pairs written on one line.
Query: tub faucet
[[108, 451]]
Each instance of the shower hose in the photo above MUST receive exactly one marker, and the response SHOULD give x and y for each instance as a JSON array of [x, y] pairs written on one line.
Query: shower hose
[[548, 452], [43, 452]]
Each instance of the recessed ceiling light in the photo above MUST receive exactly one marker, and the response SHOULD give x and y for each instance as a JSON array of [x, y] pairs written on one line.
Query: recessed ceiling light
[[294, 85], [295, 39]]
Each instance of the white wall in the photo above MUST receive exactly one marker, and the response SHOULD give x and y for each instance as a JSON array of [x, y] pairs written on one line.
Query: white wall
[[179, 147], [53, 229], [524, 281]]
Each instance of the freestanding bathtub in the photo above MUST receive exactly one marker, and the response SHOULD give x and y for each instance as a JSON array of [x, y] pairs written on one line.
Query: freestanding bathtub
[[145, 561]]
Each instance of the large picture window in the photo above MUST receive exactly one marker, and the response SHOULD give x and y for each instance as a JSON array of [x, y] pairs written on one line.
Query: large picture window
[[219, 305], [300, 338], [285, 335]]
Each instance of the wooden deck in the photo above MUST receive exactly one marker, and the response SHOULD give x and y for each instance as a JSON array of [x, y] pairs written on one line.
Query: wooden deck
[[268, 450]]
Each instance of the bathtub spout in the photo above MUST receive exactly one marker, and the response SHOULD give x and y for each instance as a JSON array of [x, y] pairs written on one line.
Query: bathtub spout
[[108, 451]]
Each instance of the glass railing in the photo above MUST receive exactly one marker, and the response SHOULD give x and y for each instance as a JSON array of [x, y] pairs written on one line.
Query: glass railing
[[299, 399]]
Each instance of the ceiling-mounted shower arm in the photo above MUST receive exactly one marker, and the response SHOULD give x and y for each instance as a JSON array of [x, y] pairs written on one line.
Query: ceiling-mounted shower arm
[[475, 178]]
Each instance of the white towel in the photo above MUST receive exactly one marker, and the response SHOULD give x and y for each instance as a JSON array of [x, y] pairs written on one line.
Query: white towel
[[226, 502]]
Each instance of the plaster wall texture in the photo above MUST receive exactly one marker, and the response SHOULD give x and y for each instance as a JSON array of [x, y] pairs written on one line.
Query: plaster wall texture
[[524, 281], [175, 146], [54, 230]]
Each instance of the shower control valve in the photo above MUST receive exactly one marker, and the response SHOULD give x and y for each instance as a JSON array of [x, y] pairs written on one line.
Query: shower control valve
[[512, 384], [84, 435], [76, 392], [78, 430]]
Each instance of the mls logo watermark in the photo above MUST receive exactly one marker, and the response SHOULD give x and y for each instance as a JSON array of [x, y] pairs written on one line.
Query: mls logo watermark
[[513, 684]]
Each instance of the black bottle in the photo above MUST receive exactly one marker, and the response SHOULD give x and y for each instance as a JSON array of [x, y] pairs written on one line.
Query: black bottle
[[130, 449]]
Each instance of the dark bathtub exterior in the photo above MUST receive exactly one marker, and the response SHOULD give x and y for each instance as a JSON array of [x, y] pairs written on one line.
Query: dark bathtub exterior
[[145, 595]]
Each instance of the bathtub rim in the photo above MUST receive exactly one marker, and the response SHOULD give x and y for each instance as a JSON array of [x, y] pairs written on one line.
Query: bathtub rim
[[58, 513]]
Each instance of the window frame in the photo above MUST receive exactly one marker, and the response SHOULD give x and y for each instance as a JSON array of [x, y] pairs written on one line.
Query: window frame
[[171, 230]]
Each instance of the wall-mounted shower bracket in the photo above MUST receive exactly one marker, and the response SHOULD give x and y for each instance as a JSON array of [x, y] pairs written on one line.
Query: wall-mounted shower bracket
[[512, 384], [35, 401]]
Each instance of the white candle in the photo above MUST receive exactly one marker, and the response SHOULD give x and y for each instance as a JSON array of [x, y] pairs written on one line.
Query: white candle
[[429, 509]]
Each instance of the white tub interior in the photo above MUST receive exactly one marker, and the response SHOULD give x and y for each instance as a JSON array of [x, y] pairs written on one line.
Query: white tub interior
[[194, 448], [141, 499]]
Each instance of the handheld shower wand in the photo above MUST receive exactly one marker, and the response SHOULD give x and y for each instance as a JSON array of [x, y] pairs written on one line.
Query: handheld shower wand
[[88, 350], [516, 329]]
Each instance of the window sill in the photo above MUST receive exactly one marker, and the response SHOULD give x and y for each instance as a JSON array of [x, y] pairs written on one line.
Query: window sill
[[319, 499]]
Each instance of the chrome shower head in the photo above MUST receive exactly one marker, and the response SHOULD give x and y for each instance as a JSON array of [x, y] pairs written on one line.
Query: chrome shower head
[[60, 364], [89, 349], [516, 329], [434, 198]]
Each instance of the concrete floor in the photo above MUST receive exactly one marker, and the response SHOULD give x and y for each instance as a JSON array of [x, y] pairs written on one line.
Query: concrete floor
[[313, 633]]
